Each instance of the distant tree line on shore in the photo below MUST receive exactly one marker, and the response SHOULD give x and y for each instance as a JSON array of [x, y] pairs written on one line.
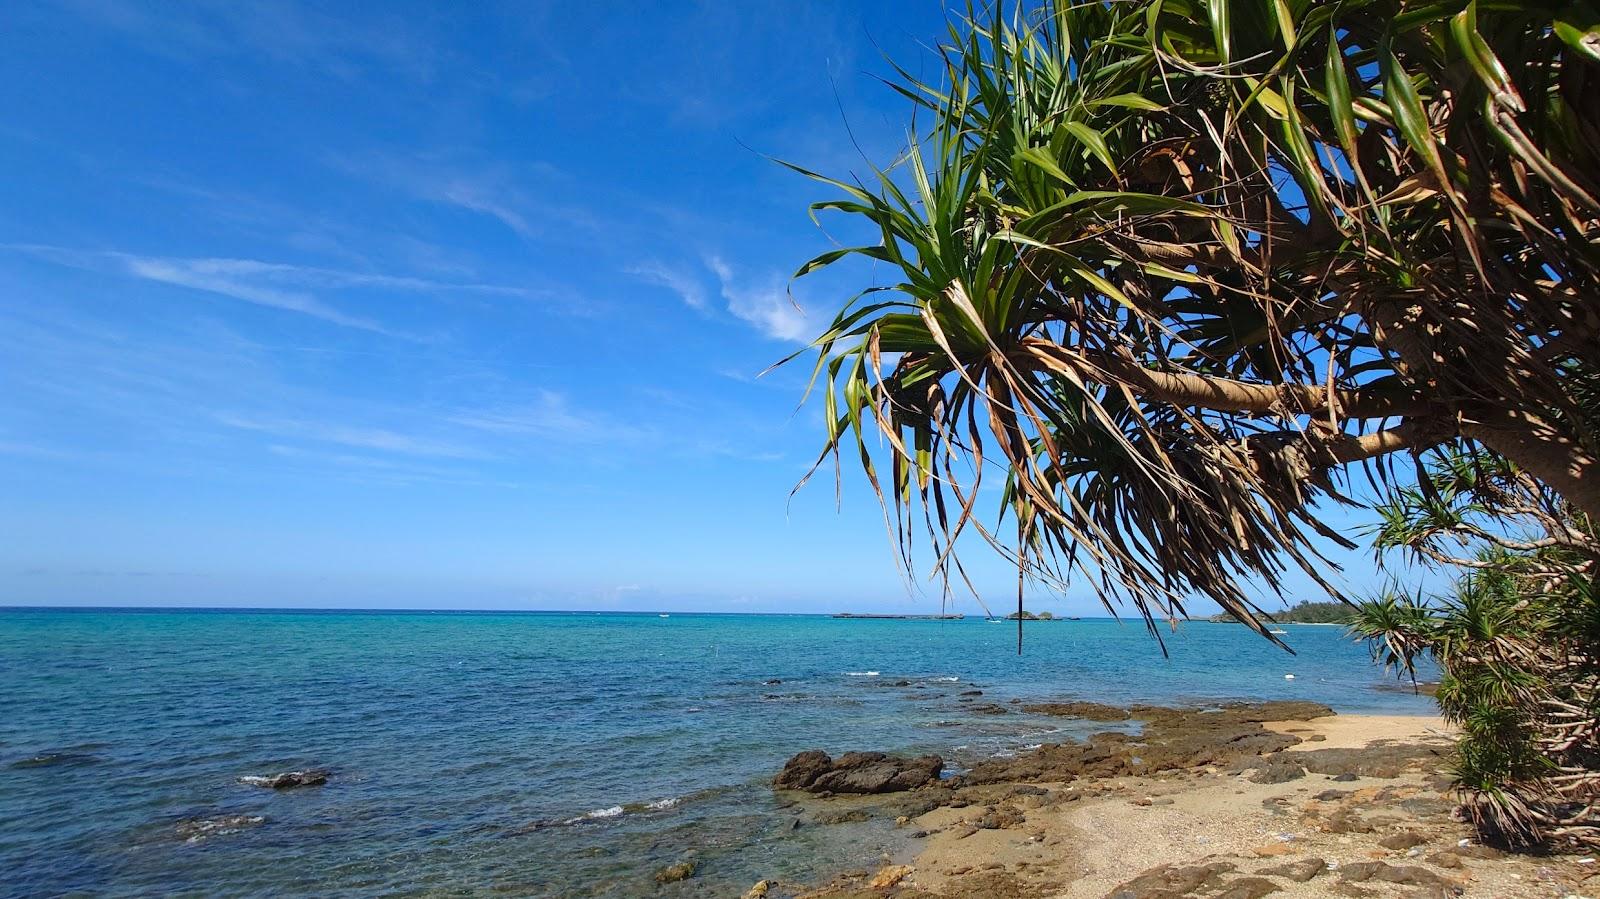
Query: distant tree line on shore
[[1305, 613]]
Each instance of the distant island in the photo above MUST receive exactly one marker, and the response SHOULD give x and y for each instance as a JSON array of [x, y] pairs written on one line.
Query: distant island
[[956, 617], [1042, 616], [1304, 613]]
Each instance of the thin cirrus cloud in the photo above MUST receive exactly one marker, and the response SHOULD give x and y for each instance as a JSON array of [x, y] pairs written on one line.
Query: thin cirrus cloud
[[274, 285], [379, 439], [548, 415], [300, 34], [497, 192], [681, 282]]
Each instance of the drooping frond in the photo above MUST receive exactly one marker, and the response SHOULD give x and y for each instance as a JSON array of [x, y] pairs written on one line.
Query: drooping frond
[[1159, 270]]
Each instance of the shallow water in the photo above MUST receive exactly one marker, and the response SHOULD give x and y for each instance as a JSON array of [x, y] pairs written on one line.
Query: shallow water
[[544, 754]]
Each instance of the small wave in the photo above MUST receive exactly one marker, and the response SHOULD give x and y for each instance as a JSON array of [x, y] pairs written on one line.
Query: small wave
[[604, 814], [946, 680], [611, 812], [861, 674]]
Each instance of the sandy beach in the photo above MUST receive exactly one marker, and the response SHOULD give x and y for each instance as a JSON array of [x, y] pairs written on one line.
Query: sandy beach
[[1259, 827]]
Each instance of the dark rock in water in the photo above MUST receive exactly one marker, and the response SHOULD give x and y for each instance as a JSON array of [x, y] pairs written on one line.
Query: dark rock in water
[[972, 693], [56, 760], [803, 770], [1092, 711], [845, 817], [309, 778], [857, 772], [772, 683], [675, 873], [193, 830]]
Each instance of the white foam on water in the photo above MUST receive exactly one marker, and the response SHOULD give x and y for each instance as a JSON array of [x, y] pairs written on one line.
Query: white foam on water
[[946, 680], [611, 812], [664, 803], [861, 673]]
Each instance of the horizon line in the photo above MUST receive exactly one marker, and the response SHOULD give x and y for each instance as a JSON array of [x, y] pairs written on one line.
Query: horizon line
[[5, 606]]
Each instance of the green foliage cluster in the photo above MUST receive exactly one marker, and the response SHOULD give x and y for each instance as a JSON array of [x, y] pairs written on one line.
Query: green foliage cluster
[[1517, 641]]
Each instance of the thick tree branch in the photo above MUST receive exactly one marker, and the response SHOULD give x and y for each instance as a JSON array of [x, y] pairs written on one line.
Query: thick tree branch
[[1224, 394]]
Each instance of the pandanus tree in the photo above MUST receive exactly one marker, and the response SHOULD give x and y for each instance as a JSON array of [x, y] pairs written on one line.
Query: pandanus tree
[[1516, 639], [1164, 270]]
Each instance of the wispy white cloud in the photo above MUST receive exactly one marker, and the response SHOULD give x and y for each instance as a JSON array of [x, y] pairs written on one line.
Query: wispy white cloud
[[481, 198], [549, 415], [387, 470], [684, 284], [183, 274], [487, 189], [272, 284], [764, 303], [379, 439]]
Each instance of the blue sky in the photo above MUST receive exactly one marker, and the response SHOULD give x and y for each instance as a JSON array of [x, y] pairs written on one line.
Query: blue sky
[[445, 306]]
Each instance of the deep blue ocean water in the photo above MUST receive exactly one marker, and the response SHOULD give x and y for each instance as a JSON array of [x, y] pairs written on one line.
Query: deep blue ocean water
[[543, 754]]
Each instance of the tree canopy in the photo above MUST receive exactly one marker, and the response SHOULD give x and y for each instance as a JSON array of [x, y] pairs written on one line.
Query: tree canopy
[[1166, 269]]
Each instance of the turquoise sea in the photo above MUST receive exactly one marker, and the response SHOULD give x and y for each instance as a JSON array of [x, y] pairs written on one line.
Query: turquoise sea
[[532, 754]]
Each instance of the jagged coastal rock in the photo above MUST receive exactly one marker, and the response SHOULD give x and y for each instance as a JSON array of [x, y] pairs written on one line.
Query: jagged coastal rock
[[857, 772], [309, 778]]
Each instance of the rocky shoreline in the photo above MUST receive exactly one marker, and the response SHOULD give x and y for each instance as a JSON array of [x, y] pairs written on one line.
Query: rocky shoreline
[[1238, 801]]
